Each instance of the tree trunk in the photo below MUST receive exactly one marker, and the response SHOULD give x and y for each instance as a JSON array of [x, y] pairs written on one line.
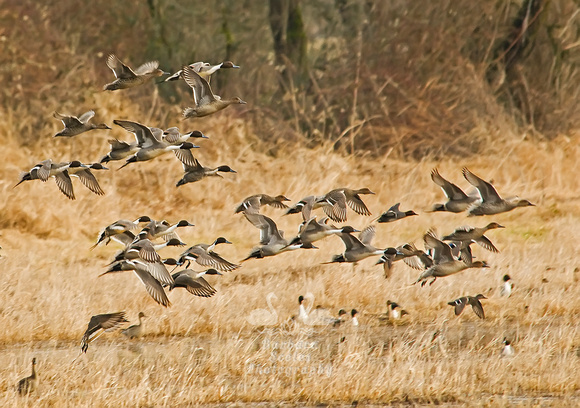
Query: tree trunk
[[290, 41]]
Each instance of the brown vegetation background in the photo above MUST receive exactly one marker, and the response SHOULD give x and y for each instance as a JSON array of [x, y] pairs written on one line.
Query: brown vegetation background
[[380, 94]]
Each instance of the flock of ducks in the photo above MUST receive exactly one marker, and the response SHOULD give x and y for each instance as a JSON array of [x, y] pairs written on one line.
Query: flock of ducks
[[442, 257]]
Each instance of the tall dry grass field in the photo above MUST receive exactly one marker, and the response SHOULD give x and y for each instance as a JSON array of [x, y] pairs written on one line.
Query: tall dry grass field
[[205, 351], [423, 96]]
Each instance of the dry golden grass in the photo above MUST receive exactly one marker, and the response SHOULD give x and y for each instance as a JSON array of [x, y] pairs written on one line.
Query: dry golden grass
[[204, 350]]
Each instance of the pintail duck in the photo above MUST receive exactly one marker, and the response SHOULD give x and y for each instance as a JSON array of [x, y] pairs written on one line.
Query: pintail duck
[[204, 69], [359, 248], [491, 202], [313, 230], [254, 202], [473, 234], [28, 384], [204, 255], [272, 240], [120, 150], [151, 144], [506, 286], [302, 314], [305, 206], [474, 301], [394, 311], [394, 214], [195, 172], [143, 251], [119, 227], [406, 252], [353, 314], [336, 201], [104, 322], [145, 275], [165, 230], [444, 264], [206, 102], [507, 349], [194, 282], [457, 202], [135, 330], [46, 169], [174, 137], [75, 126], [126, 77]]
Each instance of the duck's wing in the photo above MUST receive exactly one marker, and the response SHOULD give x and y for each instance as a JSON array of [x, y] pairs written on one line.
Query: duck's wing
[[350, 242], [356, 203], [68, 121], [335, 207], [153, 287], [107, 321], [486, 243], [89, 181], [195, 286], [459, 305], [85, 117], [261, 222], [145, 251], [441, 251], [186, 157], [64, 184], [486, 190], [202, 93], [124, 238], [120, 70], [143, 134], [367, 235], [477, 307], [211, 259], [451, 191], [147, 68], [303, 206], [196, 166], [250, 204], [43, 169]]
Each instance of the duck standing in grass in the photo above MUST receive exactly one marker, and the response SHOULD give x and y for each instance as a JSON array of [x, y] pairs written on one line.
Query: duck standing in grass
[[507, 350], [394, 311], [28, 384], [506, 286], [135, 330]]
